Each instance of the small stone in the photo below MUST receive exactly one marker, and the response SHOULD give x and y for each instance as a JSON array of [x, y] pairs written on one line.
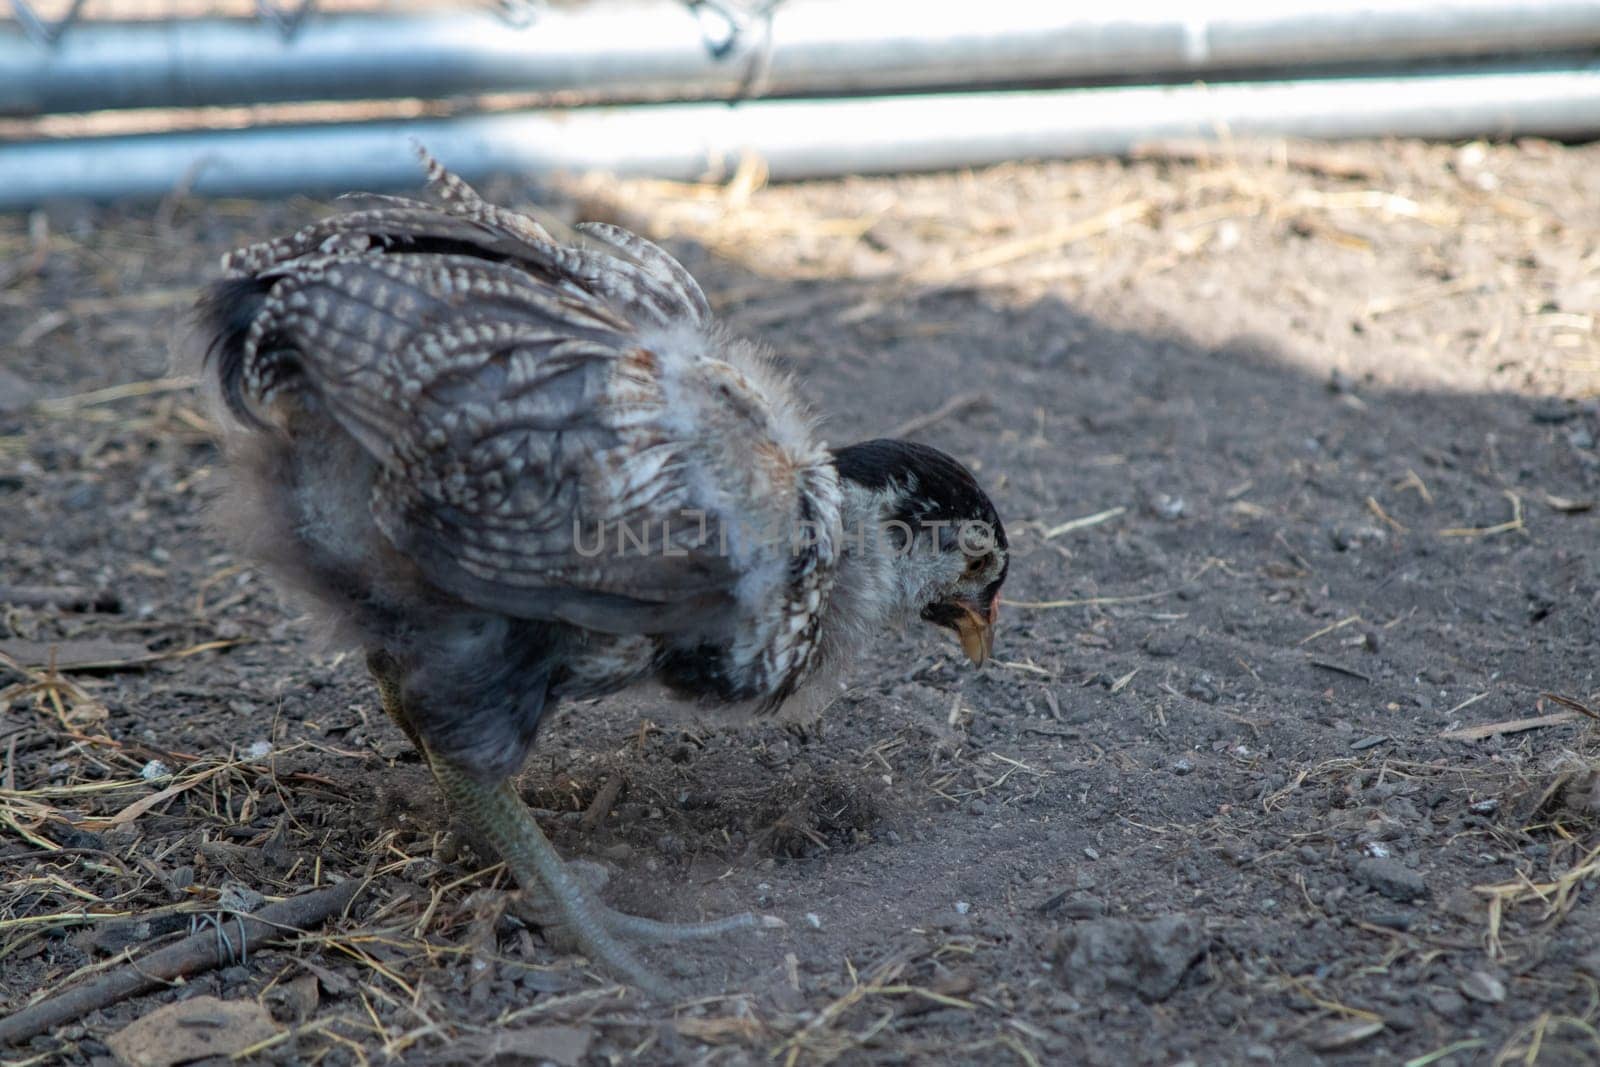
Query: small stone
[[1345, 1034], [962, 907], [1553, 411], [1149, 957], [1401, 1018], [1168, 507], [1391, 878], [1162, 645], [1182, 765], [1091, 853], [153, 770], [813, 920], [1083, 907], [1448, 1004], [16, 392], [1484, 987], [1370, 741], [1346, 538]]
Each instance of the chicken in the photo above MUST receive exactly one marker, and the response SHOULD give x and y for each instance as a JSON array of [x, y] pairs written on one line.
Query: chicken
[[516, 470]]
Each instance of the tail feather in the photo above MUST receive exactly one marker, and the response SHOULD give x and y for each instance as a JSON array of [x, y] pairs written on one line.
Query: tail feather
[[226, 311]]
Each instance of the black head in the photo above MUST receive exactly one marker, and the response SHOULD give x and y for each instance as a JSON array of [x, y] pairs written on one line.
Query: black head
[[938, 502]]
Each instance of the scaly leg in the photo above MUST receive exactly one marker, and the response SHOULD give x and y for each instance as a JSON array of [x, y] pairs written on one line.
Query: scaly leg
[[557, 897], [385, 671]]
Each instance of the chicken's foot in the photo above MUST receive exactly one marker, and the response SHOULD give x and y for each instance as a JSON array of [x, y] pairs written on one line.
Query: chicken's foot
[[555, 895], [496, 812]]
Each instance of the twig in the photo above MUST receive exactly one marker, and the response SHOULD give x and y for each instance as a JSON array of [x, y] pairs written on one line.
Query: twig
[[1339, 668], [1510, 726], [1085, 601], [1467, 703], [1078, 524], [996, 255], [950, 407], [1096, 601], [1330, 628], [1379, 306], [604, 800], [192, 955], [1515, 523], [1568, 702], [150, 387], [1414, 481], [1377, 509]]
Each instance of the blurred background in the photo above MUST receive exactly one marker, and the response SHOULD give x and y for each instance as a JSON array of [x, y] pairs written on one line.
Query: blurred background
[[106, 98]]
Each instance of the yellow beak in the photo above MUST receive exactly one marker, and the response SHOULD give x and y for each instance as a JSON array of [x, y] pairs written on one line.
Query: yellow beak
[[977, 632]]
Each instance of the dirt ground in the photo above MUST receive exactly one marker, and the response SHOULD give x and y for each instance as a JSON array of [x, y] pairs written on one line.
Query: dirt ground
[[1297, 449]]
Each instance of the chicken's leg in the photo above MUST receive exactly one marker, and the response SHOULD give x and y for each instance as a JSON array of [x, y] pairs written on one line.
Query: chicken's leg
[[385, 671], [494, 813], [499, 814]]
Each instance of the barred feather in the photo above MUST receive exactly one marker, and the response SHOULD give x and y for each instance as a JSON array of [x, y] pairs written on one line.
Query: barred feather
[[506, 393]]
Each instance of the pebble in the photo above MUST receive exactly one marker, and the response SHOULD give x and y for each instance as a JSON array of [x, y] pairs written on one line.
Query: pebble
[[1149, 957], [1450, 1005], [1168, 507], [1401, 1018], [1391, 878], [1162, 645], [16, 392], [1483, 987], [1345, 1034], [1083, 907]]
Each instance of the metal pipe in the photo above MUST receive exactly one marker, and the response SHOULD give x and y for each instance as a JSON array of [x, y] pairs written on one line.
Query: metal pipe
[[807, 138], [651, 50]]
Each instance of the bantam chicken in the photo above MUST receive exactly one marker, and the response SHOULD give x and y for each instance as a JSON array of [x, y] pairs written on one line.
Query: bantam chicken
[[514, 470]]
